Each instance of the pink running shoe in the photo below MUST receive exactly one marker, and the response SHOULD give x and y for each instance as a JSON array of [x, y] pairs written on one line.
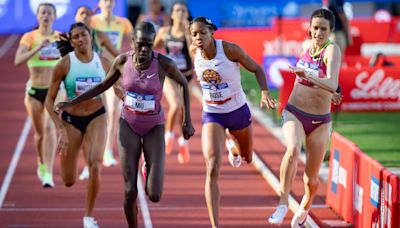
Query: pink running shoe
[[184, 154]]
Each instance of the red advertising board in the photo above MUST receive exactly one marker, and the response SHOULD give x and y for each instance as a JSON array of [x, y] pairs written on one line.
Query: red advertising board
[[343, 169], [390, 200], [370, 89], [360, 189]]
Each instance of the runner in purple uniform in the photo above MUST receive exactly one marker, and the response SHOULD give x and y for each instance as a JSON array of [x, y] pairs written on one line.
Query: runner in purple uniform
[[142, 119]]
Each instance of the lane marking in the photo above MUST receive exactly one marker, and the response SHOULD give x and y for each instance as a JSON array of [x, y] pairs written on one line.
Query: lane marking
[[14, 161], [155, 208], [8, 44], [143, 203]]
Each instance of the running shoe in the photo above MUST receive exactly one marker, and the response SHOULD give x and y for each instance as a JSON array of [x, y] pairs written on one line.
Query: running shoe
[[279, 214], [233, 156], [89, 222], [184, 154], [47, 181], [169, 142], [108, 159], [41, 170], [299, 219], [84, 174]]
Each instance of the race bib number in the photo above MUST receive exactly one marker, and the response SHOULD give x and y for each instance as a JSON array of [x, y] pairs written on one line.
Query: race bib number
[[216, 92], [303, 64], [50, 52], [113, 37], [140, 103], [83, 84]]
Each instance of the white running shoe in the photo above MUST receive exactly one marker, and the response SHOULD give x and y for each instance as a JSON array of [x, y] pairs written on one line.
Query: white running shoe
[[108, 159], [299, 219], [233, 156], [47, 181], [279, 214], [89, 222], [84, 174]]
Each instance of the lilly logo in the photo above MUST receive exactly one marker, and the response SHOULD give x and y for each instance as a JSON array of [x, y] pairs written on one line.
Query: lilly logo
[[61, 6]]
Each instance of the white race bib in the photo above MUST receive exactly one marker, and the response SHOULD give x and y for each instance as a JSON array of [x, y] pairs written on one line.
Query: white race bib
[[83, 84], [215, 93], [50, 52], [140, 103]]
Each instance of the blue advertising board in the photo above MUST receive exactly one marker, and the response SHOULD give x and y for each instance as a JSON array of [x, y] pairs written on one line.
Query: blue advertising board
[[272, 65], [19, 16], [253, 13]]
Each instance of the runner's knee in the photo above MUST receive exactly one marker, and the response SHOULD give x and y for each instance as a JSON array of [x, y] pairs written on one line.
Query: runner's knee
[[293, 152], [154, 197], [213, 168]]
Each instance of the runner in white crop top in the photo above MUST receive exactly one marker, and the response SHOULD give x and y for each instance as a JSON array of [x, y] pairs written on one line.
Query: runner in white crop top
[[217, 64]]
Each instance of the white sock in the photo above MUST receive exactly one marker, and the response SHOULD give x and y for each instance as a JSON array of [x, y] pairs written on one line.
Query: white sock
[[182, 141], [169, 134]]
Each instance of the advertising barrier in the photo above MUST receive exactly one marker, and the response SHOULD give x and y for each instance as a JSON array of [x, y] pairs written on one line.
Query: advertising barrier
[[360, 189], [343, 169], [390, 200]]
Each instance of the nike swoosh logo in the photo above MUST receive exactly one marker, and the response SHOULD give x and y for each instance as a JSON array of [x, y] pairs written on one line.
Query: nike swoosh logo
[[316, 122], [151, 75]]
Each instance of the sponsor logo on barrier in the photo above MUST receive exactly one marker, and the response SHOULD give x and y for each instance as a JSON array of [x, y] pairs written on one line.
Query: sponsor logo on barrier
[[358, 198], [335, 171], [281, 46], [342, 176], [374, 191], [376, 86]]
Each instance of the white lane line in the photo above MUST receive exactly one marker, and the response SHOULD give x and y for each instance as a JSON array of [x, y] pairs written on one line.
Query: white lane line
[[14, 161], [8, 44], [143, 203], [155, 208]]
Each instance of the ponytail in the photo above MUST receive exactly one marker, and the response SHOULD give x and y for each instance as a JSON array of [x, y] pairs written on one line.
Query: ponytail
[[64, 45]]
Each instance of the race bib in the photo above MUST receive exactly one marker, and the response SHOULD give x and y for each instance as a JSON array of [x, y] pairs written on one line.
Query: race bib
[[113, 37], [50, 52], [215, 92], [140, 102], [303, 64], [83, 84]]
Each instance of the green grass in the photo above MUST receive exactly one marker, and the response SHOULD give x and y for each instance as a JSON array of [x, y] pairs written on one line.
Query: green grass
[[376, 133]]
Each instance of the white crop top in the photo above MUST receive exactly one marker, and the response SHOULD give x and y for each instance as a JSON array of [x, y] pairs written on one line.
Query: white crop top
[[220, 82]]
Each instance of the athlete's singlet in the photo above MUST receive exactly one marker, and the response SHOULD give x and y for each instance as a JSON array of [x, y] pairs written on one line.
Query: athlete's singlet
[[178, 51], [143, 89], [45, 57], [83, 76], [220, 81], [115, 31], [315, 62]]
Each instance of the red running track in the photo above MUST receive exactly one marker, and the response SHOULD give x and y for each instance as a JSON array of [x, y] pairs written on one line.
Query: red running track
[[246, 199]]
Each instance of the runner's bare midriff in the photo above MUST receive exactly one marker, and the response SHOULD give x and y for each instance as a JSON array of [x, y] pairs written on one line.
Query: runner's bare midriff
[[40, 76]]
